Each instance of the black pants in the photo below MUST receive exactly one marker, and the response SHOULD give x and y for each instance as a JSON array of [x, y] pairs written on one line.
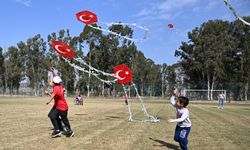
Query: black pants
[[55, 115]]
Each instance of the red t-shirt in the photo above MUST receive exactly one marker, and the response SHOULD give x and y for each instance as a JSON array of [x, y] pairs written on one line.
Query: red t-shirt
[[59, 100]]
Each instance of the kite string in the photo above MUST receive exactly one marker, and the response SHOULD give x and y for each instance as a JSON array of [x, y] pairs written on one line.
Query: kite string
[[114, 33], [92, 73], [80, 60], [142, 105], [129, 108], [235, 14], [146, 30]]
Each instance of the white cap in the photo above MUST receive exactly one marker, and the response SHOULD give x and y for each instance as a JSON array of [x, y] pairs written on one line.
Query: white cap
[[57, 79]]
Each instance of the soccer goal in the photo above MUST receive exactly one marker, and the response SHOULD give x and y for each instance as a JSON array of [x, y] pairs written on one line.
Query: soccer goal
[[202, 94]]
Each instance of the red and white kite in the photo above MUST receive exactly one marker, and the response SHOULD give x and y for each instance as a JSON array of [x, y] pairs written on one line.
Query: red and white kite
[[87, 17], [123, 74], [170, 25], [63, 49]]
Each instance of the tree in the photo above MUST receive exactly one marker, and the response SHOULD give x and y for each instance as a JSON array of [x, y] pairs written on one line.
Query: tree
[[204, 56], [14, 69], [36, 64], [242, 57], [2, 70]]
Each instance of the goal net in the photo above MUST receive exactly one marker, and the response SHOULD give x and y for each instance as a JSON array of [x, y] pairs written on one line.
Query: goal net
[[201, 94]]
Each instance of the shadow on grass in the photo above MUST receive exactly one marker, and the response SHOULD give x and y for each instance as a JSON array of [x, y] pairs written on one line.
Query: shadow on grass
[[168, 145], [112, 117], [81, 114]]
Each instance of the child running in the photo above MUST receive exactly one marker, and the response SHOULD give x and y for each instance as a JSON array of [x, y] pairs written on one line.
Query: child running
[[183, 122]]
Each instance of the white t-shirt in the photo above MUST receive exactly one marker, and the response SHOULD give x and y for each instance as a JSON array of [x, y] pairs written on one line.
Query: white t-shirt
[[182, 115], [222, 96]]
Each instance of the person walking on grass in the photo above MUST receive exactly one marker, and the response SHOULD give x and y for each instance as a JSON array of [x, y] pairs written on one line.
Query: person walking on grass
[[183, 126], [60, 108], [221, 100]]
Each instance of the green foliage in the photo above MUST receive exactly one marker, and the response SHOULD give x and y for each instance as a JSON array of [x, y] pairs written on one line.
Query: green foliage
[[217, 53]]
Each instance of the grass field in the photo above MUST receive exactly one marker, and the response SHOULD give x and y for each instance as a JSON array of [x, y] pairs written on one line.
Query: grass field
[[102, 124]]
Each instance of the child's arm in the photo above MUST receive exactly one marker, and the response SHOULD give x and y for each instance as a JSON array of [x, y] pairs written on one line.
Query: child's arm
[[48, 93], [51, 98], [49, 82], [183, 117], [172, 99]]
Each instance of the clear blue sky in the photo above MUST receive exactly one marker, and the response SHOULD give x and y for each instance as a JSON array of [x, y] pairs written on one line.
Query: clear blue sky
[[22, 19]]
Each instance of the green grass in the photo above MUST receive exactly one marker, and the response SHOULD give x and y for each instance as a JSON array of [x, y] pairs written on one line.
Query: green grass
[[102, 124]]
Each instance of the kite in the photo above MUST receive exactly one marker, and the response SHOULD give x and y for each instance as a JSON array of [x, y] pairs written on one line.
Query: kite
[[170, 25], [235, 14], [63, 49], [122, 74], [89, 18]]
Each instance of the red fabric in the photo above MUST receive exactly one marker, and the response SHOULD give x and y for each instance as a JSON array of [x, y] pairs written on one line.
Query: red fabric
[[59, 100], [87, 17], [170, 25], [63, 49], [123, 74]]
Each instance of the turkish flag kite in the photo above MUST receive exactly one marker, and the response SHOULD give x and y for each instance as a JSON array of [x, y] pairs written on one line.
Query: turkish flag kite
[[170, 25], [63, 49], [86, 17], [123, 74]]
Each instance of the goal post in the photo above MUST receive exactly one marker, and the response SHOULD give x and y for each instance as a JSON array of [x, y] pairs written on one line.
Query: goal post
[[202, 94]]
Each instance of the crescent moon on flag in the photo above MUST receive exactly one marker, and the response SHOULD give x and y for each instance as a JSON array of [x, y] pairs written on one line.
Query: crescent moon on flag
[[117, 75], [58, 49], [85, 20]]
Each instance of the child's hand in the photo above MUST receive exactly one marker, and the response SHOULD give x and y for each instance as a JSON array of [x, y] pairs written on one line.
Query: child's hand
[[169, 120], [46, 92], [51, 69], [174, 92]]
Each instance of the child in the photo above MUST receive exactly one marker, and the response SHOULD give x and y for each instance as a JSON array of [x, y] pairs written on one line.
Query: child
[[59, 121], [61, 108], [183, 122], [78, 100]]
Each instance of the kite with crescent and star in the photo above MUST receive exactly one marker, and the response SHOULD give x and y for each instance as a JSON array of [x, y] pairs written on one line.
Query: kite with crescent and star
[[89, 18]]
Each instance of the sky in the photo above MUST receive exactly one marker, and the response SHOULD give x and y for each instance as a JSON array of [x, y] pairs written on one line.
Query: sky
[[23, 19]]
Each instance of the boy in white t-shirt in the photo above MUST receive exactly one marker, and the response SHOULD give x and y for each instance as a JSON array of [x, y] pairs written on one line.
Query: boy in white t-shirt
[[183, 126]]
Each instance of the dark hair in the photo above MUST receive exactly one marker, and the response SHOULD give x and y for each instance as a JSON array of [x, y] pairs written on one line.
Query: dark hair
[[56, 84], [183, 100]]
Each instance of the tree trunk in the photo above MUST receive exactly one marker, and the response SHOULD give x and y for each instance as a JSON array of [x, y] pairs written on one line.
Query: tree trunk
[[241, 93], [141, 90], [103, 89], [6, 78], [162, 87], [212, 87], [246, 91], [151, 90], [208, 87]]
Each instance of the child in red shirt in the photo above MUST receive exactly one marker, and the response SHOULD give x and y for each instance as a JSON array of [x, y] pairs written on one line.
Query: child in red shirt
[[61, 108]]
